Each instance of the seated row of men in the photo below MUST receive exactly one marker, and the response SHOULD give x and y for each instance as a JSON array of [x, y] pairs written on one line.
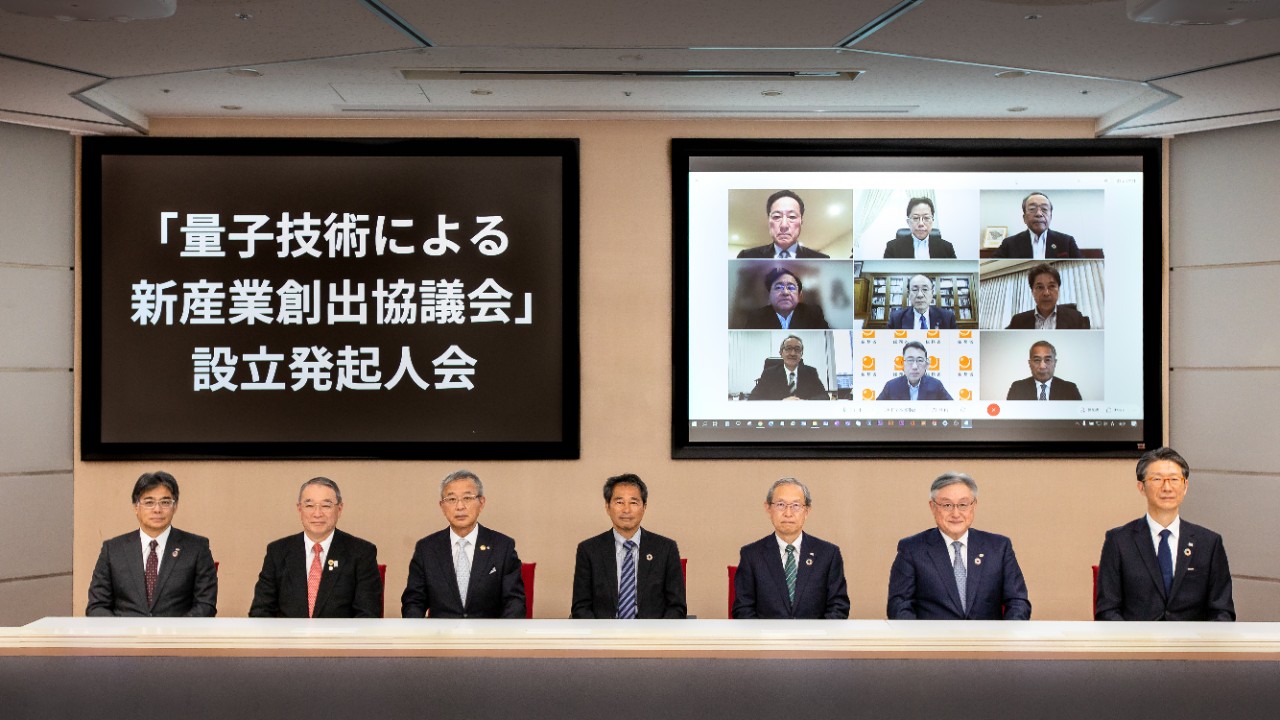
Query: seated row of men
[[1157, 567]]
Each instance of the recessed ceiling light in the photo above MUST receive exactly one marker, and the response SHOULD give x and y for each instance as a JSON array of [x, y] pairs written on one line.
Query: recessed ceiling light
[[243, 16], [245, 72], [1032, 16], [1012, 74], [232, 107], [1018, 108], [479, 91], [771, 93]]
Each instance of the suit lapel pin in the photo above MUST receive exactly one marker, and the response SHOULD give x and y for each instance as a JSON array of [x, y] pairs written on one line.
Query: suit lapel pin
[[332, 564], [809, 561], [1187, 552], [484, 547], [649, 557], [176, 551], [978, 560], [493, 570]]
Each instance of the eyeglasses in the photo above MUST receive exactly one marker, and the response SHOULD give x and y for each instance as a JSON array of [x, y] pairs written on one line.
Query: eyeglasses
[[1038, 208], [1174, 481], [324, 507], [781, 507], [789, 287], [152, 503], [792, 348], [921, 288], [915, 361], [948, 507], [464, 500], [920, 218]]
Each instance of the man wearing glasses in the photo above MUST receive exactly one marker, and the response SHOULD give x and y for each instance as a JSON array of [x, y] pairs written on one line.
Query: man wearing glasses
[[322, 572], [1045, 281], [159, 570], [915, 382], [952, 572], [792, 380], [922, 314], [786, 309], [789, 574], [920, 241], [1160, 567], [1038, 241], [465, 570], [785, 211]]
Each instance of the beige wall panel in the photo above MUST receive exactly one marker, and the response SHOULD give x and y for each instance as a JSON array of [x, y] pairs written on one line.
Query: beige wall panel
[[35, 312], [1211, 318], [35, 427], [35, 525], [23, 601], [36, 191], [1224, 419], [710, 507], [1256, 600], [1242, 508]]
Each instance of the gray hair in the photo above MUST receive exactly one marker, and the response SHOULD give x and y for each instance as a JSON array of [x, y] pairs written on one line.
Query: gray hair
[[462, 475], [321, 481], [808, 501], [952, 478]]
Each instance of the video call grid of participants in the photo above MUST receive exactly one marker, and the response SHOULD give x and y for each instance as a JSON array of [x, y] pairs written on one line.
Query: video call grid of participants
[[1045, 285]]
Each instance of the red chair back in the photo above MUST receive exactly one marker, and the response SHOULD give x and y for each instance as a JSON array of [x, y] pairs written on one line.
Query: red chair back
[[733, 570], [684, 571], [382, 592], [1095, 593], [526, 574]]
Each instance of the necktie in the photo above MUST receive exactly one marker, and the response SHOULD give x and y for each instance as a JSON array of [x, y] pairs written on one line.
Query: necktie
[[151, 572], [1042, 395], [789, 568], [1165, 558], [785, 254], [923, 325], [462, 569], [962, 574], [791, 381], [627, 585], [313, 579]]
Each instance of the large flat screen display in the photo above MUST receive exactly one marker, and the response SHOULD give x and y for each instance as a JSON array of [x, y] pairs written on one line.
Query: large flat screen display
[[329, 298], [916, 297]]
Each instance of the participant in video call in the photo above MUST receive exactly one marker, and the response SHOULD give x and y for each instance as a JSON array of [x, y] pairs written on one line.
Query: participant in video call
[[792, 379], [1161, 567], [789, 574], [953, 572], [627, 572], [1047, 315], [785, 211], [786, 309], [916, 383], [922, 315], [156, 570], [1038, 241], [920, 241], [1042, 385]]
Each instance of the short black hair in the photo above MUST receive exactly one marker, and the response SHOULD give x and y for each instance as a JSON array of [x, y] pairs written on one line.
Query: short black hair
[[1042, 269], [778, 272], [1162, 453], [915, 344], [916, 201], [625, 479], [150, 480], [768, 205]]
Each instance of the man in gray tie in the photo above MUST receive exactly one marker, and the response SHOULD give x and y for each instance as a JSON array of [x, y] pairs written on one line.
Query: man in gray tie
[[953, 572], [1161, 567], [627, 572], [465, 570], [785, 211], [792, 379], [1042, 385]]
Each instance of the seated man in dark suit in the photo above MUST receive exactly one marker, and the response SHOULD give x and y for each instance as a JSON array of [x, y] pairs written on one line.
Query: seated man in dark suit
[[322, 571], [788, 574], [1038, 241], [1048, 314], [952, 572], [922, 315], [1042, 385], [1160, 567], [465, 570], [792, 380], [159, 570], [786, 309], [785, 211], [627, 572], [920, 241], [915, 383]]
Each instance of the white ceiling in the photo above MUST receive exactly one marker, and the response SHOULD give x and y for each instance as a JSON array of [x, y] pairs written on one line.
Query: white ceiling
[[933, 59]]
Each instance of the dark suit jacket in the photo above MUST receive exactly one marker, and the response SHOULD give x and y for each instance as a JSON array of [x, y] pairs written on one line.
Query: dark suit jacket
[[939, 318], [659, 581], [187, 585], [1057, 245], [773, 384], [1059, 389], [804, 317], [349, 584], [1068, 319], [760, 587], [1130, 586], [931, 388], [904, 247], [922, 584], [766, 251], [496, 589]]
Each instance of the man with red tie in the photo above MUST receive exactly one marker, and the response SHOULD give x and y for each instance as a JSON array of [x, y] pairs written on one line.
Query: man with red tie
[[322, 572]]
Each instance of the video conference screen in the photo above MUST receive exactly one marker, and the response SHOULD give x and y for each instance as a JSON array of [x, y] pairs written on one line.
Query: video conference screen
[[888, 298], [329, 298]]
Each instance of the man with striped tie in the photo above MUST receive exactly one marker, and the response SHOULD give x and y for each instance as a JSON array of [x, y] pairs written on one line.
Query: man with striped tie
[[789, 574], [627, 572]]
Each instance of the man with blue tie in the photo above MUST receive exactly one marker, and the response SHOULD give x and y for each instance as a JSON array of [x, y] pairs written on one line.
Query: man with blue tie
[[1160, 567], [785, 211], [922, 313], [789, 574], [627, 572], [915, 382], [953, 572]]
